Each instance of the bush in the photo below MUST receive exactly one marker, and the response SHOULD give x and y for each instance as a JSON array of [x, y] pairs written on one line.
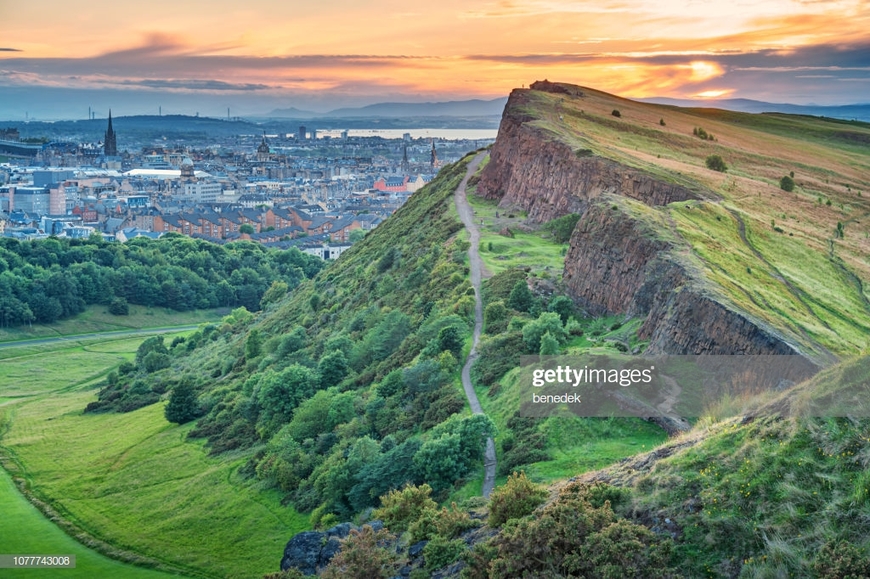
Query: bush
[[563, 227], [401, 508], [786, 184], [521, 297], [517, 498], [572, 538], [841, 561], [182, 405], [363, 555], [616, 113], [440, 552], [662, 122], [533, 332], [716, 163], [119, 307]]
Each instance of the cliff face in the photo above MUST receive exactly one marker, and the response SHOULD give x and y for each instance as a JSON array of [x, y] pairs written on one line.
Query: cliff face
[[618, 262], [544, 177]]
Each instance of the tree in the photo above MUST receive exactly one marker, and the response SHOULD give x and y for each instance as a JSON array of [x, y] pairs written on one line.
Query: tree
[[119, 307], [533, 332], [253, 345], [356, 235], [276, 291], [786, 184], [450, 339], [520, 298], [155, 361], [182, 405], [563, 306], [246, 228], [332, 368], [716, 163], [549, 345]]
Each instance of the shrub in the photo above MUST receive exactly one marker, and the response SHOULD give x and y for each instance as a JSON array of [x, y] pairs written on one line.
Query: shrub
[[440, 552], [521, 297], [572, 538], [616, 113], [400, 508], [786, 184], [662, 122], [716, 163], [563, 227], [182, 405], [517, 498], [841, 561], [119, 307], [533, 332], [363, 555]]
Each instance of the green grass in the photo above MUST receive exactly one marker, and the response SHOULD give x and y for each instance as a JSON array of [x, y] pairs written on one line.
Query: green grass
[[534, 249], [134, 480], [98, 319], [26, 531]]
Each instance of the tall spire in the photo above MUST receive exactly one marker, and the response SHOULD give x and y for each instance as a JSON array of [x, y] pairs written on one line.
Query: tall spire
[[433, 158], [405, 157], [110, 143]]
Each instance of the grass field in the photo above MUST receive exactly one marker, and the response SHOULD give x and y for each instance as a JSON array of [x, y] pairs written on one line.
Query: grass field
[[26, 531], [132, 480], [98, 319], [533, 249]]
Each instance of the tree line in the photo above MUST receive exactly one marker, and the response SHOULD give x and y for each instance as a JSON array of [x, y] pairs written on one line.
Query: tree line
[[42, 281]]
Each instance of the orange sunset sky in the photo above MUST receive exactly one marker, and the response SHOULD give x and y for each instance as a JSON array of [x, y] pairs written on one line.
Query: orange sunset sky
[[345, 52]]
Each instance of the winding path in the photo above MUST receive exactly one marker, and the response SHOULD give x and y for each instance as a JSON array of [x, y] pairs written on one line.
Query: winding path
[[467, 217]]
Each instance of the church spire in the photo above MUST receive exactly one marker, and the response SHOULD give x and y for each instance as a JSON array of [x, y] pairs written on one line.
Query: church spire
[[110, 143], [433, 157]]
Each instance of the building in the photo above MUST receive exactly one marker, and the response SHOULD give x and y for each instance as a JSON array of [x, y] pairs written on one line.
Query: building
[[110, 143], [202, 192], [302, 134], [31, 200]]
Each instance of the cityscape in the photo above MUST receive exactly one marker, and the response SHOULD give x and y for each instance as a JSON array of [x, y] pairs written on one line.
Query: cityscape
[[317, 192]]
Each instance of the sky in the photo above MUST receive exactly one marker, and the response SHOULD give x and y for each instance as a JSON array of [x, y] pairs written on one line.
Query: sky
[[58, 57]]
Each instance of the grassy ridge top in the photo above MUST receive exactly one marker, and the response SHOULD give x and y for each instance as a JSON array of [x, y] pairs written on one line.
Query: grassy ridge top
[[795, 260]]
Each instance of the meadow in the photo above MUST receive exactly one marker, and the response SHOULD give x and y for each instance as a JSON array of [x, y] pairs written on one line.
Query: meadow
[[132, 484]]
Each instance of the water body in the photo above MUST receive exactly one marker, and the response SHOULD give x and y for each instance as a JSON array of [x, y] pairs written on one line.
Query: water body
[[449, 134]]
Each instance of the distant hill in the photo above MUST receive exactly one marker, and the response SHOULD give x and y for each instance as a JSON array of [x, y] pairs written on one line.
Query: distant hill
[[860, 112], [467, 108]]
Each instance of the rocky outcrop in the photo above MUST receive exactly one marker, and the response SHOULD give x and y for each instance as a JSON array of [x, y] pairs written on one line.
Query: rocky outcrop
[[533, 170], [311, 551], [619, 261]]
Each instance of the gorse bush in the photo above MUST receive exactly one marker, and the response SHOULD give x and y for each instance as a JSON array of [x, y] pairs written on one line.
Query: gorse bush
[[716, 163], [572, 538], [517, 498]]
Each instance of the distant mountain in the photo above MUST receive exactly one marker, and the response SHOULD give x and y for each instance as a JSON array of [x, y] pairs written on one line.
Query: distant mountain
[[466, 108], [859, 112]]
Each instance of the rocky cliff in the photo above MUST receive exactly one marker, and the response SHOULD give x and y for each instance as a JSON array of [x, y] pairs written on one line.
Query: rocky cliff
[[530, 169], [621, 260]]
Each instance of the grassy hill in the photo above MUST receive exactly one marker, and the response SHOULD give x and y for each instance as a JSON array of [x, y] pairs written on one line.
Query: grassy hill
[[795, 260], [349, 387]]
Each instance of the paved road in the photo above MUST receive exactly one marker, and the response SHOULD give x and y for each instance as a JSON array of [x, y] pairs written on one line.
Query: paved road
[[467, 217], [96, 335]]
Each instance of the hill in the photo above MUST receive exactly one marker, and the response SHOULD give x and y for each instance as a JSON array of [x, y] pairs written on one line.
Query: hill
[[606, 226]]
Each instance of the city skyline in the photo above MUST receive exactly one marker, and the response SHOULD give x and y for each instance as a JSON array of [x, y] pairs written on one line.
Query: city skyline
[[206, 57]]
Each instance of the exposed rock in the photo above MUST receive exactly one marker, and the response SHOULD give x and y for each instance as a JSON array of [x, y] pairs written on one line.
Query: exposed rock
[[311, 551], [531, 170], [620, 262]]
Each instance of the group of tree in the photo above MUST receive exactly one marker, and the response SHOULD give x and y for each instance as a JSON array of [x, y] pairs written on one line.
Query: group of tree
[[42, 281]]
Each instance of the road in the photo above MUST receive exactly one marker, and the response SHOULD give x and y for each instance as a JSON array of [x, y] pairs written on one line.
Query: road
[[96, 335], [467, 217]]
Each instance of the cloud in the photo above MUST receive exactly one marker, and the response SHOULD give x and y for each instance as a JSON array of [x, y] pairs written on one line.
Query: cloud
[[194, 85], [10, 50]]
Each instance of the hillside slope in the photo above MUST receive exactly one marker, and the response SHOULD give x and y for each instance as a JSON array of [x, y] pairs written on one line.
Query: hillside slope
[[714, 262]]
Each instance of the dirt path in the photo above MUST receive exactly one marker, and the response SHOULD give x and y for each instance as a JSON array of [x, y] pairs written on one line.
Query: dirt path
[[467, 217]]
